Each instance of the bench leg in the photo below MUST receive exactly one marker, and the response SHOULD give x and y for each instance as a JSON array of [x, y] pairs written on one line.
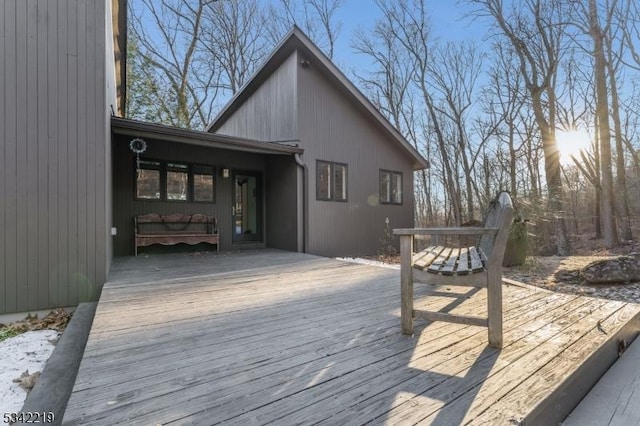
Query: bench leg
[[494, 309], [406, 284]]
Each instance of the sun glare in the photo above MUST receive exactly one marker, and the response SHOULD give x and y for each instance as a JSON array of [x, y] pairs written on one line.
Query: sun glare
[[570, 143]]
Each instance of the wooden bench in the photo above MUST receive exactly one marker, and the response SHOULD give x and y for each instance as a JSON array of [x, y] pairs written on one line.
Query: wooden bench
[[462, 265], [174, 229]]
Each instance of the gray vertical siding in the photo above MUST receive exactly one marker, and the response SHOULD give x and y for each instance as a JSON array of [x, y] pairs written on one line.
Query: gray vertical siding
[[329, 126], [332, 128], [282, 203], [270, 114], [53, 172]]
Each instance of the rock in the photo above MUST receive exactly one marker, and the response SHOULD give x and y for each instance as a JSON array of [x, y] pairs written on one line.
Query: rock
[[571, 276], [623, 269]]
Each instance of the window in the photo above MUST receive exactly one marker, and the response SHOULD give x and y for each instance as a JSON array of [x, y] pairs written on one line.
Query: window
[[390, 187], [203, 183], [340, 182], [177, 181], [323, 180], [148, 180], [331, 181], [170, 181]]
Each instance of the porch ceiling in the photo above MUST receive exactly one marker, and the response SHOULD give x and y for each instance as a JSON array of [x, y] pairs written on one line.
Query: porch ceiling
[[134, 128]]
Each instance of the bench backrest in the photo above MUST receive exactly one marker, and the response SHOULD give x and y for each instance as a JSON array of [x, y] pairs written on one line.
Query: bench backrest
[[499, 216], [208, 224]]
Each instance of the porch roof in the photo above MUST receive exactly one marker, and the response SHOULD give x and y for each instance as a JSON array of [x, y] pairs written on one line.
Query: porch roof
[[135, 128]]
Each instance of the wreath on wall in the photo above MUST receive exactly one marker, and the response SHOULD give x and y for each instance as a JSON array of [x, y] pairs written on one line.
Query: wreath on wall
[[138, 146]]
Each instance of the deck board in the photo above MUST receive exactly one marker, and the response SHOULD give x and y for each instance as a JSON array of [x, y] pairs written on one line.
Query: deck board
[[289, 338]]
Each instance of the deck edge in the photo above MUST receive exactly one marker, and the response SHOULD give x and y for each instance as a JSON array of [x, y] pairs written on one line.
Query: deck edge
[[561, 402]]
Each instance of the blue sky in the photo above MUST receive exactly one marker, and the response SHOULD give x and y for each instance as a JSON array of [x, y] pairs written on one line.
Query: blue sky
[[448, 24]]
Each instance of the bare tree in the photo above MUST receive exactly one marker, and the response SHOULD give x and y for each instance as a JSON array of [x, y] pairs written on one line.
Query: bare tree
[[503, 103], [454, 70], [197, 53], [317, 18], [614, 46], [536, 30], [590, 16], [604, 132], [172, 51], [232, 36]]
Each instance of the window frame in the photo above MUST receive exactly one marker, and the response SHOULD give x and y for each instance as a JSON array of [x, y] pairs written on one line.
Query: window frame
[[320, 164], [390, 189], [135, 181], [164, 167]]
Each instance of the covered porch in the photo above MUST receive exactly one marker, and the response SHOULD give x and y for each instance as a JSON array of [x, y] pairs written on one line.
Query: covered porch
[[265, 336], [253, 188]]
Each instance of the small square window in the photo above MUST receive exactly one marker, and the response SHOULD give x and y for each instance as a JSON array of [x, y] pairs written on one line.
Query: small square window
[[331, 181]]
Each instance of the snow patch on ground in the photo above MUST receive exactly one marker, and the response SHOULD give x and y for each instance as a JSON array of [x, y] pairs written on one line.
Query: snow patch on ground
[[26, 351], [368, 262]]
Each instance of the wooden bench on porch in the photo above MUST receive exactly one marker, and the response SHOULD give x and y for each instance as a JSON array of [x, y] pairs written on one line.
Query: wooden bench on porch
[[461, 265], [172, 229]]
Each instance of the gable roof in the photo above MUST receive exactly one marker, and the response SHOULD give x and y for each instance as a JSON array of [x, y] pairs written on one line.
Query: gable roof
[[297, 40]]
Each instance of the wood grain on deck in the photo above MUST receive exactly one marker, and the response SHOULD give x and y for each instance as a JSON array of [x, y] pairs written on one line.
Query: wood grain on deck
[[289, 338]]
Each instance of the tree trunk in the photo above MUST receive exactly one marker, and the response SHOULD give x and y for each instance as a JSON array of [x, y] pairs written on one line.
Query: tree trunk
[[552, 173], [602, 112], [621, 170]]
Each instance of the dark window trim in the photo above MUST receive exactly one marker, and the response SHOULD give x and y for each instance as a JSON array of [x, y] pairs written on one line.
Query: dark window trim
[[390, 173], [164, 168], [332, 182]]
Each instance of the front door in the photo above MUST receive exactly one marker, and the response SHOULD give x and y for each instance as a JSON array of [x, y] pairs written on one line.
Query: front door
[[247, 207]]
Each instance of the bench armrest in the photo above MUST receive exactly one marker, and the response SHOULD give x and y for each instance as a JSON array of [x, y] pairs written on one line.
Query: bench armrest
[[464, 230]]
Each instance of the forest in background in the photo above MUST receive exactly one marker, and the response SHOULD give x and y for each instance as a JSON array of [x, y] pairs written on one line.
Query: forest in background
[[505, 112]]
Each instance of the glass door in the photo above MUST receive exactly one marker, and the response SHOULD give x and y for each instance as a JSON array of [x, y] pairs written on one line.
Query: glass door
[[247, 207]]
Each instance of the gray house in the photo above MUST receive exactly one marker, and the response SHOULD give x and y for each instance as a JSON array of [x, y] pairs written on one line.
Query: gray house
[[298, 160]]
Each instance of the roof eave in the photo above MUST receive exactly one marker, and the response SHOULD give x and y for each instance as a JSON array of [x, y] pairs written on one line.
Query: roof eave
[[122, 126]]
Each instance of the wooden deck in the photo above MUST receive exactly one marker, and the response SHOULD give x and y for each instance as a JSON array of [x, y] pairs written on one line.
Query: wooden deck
[[286, 338]]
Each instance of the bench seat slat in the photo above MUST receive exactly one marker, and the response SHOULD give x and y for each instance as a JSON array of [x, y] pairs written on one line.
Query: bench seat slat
[[438, 263], [450, 261], [424, 258], [477, 259], [463, 262], [449, 266]]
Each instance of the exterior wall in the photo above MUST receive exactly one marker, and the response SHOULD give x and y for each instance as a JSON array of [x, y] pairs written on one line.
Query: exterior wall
[[333, 129], [270, 114], [282, 203], [125, 206], [112, 100], [54, 157]]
